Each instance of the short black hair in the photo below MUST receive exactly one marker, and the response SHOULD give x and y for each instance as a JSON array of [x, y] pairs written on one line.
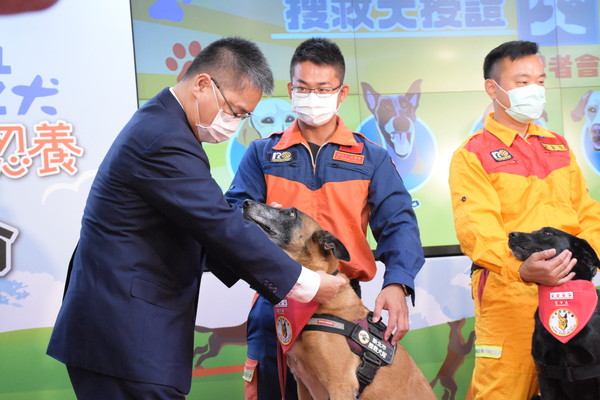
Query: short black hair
[[513, 50], [319, 51], [233, 62]]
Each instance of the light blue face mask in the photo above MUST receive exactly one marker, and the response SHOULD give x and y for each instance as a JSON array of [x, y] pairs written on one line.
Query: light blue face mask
[[526, 102]]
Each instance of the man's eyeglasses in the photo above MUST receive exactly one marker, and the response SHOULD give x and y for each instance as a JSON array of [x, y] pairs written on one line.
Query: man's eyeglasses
[[236, 115], [301, 91]]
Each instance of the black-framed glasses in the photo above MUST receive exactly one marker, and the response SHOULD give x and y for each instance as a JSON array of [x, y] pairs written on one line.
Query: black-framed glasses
[[302, 91], [236, 115]]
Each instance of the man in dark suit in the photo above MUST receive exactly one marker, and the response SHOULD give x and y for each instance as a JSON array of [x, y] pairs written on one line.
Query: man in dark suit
[[153, 218]]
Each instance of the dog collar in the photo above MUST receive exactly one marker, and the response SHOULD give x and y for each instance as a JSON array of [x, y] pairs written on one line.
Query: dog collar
[[565, 310]]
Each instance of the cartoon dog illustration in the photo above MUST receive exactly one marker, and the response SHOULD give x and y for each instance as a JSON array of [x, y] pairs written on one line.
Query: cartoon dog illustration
[[270, 115], [588, 107], [219, 337], [396, 116], [407, 139], [458, 349]]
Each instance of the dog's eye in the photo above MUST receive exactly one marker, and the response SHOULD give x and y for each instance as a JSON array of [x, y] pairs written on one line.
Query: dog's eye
[[547, 233], [290, 213]]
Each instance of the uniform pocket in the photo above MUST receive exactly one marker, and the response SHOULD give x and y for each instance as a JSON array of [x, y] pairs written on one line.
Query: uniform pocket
[[154, 293], [250, 384]]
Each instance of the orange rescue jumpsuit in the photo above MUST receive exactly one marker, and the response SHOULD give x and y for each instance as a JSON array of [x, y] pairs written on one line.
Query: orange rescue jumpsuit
[[501, 182]]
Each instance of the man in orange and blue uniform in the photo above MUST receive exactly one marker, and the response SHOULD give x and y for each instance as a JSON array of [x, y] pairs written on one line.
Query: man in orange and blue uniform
[[514, 175], [342, 180]]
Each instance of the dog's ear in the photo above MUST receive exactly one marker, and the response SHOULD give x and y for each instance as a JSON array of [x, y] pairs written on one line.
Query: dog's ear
[[579, 110], [370, 95], [584, 253], [414, 93], [329, 242]]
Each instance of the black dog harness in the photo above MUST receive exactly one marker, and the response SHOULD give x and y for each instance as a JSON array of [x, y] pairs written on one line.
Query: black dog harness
[[365, 338], [571, 374]]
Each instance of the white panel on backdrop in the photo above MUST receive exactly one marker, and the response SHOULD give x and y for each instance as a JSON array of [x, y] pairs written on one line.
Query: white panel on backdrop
[[72, 62], [443, 294]]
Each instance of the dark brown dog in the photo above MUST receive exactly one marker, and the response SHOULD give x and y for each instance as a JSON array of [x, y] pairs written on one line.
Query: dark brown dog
[[565, 370], [322, 362]]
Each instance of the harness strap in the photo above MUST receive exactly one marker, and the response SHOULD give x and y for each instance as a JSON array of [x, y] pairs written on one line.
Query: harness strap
[[372, 348], [571, 374]]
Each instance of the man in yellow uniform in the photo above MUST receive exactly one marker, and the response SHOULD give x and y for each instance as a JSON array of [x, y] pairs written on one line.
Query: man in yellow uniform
[[514, 175]]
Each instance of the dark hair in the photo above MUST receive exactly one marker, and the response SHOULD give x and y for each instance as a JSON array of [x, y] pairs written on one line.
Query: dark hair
[[319, 51], [233, 62], [513, 50]]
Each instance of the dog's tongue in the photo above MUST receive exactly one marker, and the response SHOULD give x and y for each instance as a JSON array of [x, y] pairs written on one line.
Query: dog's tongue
[[565, 310]]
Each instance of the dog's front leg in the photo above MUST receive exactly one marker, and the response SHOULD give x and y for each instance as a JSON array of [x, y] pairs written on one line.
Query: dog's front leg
[[303, 393]]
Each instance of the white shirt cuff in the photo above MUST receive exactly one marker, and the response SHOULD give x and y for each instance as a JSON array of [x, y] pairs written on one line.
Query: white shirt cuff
[[306, 287]]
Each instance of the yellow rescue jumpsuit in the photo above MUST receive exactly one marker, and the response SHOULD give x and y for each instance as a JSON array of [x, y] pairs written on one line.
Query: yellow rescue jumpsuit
[[501, 182]]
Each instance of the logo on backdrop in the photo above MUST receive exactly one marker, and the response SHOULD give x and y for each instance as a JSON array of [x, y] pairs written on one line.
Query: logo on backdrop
[[558, 22], [52, 143], [8, 234], [375, 17]]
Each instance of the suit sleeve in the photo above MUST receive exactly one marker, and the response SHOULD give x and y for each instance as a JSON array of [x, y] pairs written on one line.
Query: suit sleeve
[[477, 216], [394, 226], [177, 181]]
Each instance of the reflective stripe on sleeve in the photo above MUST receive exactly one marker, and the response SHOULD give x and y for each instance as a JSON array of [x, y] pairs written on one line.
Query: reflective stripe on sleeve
[[488, 351]]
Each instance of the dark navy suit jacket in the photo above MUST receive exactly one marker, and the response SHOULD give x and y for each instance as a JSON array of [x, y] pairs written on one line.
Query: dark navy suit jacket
[[153, 216]]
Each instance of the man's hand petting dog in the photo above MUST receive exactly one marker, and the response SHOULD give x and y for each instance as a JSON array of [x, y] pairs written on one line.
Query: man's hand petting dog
[[329, 287], [393, 299], [541, 268]]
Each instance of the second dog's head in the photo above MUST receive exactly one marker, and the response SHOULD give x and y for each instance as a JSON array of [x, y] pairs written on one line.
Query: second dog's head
[[524, 245], [298, 235]]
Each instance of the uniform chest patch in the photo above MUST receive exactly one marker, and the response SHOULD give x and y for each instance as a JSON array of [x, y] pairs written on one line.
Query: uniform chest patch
[[349, 157], [282, 156], [555, 147], [501, 155]]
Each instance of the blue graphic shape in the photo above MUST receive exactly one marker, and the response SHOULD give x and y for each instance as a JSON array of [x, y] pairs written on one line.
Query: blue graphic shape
[[11, 289], [416, 168], [168, 9], [35, 90], [558, 22]]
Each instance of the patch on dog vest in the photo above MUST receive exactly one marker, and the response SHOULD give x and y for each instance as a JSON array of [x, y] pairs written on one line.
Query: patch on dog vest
[[290, 318], [565, 310]]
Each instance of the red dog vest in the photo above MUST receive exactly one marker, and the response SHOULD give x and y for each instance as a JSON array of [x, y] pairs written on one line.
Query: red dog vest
[[566, 309], [290, 318]]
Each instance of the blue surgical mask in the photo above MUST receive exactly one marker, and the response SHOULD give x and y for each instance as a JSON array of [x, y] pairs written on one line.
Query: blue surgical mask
[[526, 102]]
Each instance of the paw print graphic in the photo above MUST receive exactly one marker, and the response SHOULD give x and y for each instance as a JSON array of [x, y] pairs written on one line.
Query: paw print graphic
[[179, 53]]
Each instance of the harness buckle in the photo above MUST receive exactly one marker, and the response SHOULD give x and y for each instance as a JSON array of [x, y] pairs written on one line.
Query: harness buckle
[[368, 367]]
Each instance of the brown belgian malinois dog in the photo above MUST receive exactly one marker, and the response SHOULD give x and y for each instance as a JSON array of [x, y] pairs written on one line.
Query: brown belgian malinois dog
[[324, 364]]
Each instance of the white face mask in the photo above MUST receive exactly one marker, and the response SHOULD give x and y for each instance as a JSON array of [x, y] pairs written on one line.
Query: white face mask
[[314, 110], [222, 127], [526, 102]]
